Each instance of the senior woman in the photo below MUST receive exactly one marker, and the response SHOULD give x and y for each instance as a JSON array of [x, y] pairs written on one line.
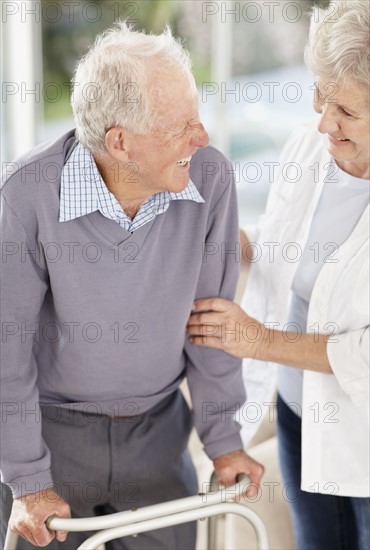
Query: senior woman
[[308, 293]]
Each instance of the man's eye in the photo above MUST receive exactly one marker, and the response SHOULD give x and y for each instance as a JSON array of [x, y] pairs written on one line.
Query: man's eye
[[179, 132], [345, 112], [195, 123], [191, 124]]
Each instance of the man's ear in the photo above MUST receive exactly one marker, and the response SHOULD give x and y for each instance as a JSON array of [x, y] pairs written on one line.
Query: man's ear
[[116, 143]]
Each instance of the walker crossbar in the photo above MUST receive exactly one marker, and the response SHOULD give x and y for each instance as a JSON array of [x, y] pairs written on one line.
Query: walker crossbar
[[157, 516], [181, 517]]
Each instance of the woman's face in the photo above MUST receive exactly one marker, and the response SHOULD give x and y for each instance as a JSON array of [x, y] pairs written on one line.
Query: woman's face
[[345, 119]]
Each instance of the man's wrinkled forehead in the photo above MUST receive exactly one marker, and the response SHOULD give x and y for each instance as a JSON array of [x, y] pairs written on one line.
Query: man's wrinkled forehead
[[165, 81], [173, 94]]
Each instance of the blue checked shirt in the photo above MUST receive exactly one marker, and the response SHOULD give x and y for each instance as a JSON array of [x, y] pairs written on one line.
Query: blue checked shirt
[[83, 191]]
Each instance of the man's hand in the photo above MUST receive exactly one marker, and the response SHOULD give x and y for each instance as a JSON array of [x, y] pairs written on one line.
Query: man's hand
[[228, 466], [224, 325], [29, 514]]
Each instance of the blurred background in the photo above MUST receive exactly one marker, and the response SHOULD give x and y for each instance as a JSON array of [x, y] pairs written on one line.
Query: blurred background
[[247, 61]]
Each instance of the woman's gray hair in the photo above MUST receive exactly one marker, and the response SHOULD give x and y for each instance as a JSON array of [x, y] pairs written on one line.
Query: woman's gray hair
[[339, 41], [110, 85]]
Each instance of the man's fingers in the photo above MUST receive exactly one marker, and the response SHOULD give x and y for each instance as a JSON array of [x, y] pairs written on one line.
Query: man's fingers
[[42, 535], [228, 466], [249, 487], [61, 536], [256, 472], [30, 513], [28, 535], [38, 536], [43, 540], [253, 489]]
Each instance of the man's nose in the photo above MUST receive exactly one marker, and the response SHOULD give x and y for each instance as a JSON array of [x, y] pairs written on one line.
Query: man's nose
[[200, 136], [328, 121]]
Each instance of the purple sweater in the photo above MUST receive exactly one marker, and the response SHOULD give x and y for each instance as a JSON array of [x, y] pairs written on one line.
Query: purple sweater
[[93, 317]]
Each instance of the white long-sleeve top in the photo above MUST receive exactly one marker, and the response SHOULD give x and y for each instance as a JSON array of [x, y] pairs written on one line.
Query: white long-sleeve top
[[335, 410]]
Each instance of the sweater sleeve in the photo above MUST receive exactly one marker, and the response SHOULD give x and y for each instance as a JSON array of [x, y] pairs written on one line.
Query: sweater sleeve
[[214, 377], [346, 351], [25, 459]]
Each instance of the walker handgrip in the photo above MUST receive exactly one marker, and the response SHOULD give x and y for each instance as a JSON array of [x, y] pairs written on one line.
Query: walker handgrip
[[49, 520], [240, 478], [148, 512]]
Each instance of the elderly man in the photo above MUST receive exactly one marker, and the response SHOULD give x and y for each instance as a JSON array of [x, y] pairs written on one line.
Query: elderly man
[[110, 233]]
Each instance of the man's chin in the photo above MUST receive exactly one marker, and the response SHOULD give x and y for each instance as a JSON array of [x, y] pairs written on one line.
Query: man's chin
[[178, 186]]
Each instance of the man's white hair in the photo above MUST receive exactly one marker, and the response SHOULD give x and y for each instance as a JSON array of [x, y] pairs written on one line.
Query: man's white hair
[[111, 86], [339, 41]]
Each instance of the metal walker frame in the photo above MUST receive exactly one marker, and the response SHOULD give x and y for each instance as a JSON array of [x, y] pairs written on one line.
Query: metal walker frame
[[157, 516]]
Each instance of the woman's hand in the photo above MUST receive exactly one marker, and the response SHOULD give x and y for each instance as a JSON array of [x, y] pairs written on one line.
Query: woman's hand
[[218, 323], [221, 324]]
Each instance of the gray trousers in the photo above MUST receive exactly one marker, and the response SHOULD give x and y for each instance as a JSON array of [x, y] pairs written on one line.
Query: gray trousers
[[102, 465]]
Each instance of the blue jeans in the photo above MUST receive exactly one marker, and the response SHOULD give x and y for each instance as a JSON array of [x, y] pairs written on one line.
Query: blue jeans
[[320, 522]]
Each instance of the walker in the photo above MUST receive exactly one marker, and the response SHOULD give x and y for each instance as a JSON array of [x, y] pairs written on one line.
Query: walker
[[121, 524]]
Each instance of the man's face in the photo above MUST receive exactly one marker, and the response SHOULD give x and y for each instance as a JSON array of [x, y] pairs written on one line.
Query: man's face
[[162, 157]]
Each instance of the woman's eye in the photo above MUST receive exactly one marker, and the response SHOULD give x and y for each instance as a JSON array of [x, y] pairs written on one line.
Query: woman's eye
[[317, 95]]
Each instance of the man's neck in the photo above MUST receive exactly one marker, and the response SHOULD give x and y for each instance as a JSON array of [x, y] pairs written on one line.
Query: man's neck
[[130, 209], [124, 191]]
